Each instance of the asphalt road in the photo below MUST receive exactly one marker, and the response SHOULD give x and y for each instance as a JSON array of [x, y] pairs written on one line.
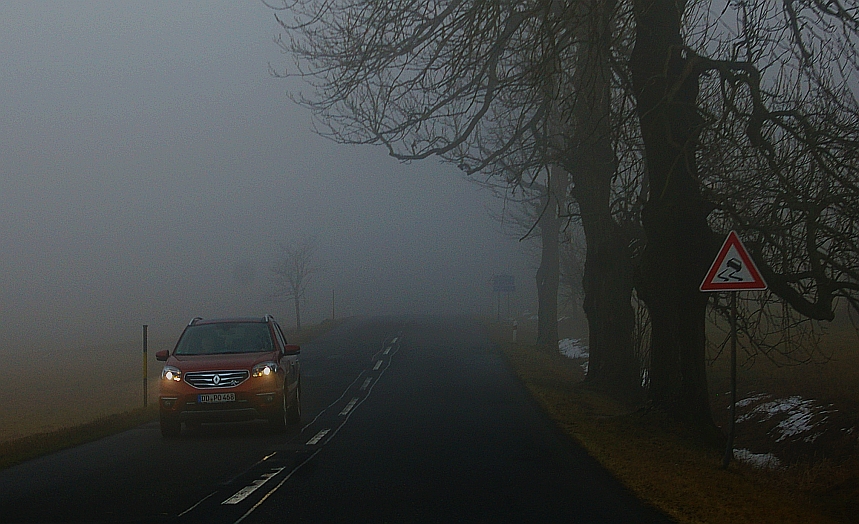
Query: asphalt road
[[412, 419]]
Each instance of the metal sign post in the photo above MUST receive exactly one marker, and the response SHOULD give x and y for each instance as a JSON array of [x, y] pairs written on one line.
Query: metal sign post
[[145, 367], [733, 270], [503, 284], [729, 447]]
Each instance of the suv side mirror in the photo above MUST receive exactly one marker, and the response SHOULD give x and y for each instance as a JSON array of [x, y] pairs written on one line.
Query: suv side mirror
[[291, 349], [162, 355]]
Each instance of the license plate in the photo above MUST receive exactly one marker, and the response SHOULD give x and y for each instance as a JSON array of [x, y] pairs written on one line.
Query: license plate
[[214, 398]]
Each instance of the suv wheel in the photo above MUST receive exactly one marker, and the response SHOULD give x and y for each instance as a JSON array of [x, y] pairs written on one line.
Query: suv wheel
[[293, 412], [277, 422], [170, 426]]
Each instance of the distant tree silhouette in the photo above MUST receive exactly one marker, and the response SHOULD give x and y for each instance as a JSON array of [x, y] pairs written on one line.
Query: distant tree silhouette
[[292, 273]]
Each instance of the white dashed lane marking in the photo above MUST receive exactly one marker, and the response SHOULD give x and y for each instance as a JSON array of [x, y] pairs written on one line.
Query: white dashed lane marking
[[316, 438], [243, 493], [349, 406], [281, 474]]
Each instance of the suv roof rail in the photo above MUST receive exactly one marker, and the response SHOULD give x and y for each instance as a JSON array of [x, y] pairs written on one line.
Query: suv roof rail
[[194, 320], [268, 318]]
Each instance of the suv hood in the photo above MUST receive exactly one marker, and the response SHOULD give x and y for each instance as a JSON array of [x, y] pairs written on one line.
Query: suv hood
[[226, 361]]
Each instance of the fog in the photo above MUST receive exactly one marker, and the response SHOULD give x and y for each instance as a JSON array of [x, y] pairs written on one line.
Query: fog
[[150, 165]]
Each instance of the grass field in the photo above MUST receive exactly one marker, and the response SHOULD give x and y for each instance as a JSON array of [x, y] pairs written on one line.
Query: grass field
[[48, 389], [54, 399]]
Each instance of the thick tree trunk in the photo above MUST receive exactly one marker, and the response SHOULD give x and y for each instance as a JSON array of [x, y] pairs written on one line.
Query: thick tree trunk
[[607, 279], [608, 284], [679, 241], [548, 274]]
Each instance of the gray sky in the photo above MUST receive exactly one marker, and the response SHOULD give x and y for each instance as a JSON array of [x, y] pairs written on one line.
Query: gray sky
[[148, 163]]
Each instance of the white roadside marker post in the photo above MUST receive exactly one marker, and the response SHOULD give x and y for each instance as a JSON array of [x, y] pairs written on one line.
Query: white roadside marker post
[[145, 367]]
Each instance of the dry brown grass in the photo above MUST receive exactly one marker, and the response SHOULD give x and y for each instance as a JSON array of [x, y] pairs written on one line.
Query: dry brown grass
[[57, 398], [667, 469], [47, 389], [832, 375], [18, 450]]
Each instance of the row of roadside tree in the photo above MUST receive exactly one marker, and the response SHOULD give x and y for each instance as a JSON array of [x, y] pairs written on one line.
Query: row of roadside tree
[[650, 127]]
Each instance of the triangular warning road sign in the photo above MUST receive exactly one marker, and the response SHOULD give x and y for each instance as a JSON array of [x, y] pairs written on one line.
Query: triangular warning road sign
[[733, 269]]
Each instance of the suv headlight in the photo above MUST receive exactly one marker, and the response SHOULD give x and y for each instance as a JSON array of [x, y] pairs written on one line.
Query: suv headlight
[[171, 373], [264, 369]]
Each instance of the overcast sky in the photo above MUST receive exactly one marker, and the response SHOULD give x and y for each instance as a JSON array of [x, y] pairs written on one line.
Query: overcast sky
[[149, 163]]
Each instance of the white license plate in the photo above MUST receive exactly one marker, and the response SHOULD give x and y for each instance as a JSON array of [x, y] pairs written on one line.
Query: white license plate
[[214, 398]]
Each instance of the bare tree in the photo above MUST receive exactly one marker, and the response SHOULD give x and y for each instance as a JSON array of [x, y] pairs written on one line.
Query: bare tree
[[751, 128], [497, 89], [538, 211], [755, 131], [292, 273]]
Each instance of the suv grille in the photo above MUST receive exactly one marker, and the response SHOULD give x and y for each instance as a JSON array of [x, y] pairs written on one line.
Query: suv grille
[[216, 379]]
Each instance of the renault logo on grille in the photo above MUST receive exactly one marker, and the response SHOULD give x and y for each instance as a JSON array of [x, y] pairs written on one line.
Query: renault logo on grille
[[216, 379]]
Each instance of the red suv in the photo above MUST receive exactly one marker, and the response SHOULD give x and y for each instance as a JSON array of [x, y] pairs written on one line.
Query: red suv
[[230, 370]]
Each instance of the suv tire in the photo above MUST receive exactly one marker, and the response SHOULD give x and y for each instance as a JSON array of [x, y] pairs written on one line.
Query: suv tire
[[277, 422], [293, 412]]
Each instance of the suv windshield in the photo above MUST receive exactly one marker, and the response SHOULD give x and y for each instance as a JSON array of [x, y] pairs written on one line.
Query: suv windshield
[[225, 337]]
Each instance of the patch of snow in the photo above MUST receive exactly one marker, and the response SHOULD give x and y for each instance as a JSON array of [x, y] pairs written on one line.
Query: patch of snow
[[801, 422], [797, 422], [766, 410], [573, 348], [749, 400], [585, 367], [800, 415], [758, 460]]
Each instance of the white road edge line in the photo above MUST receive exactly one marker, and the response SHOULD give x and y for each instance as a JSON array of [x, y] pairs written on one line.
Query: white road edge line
[[279, 484], [323, 433], [243, 493], [204, 499], [305, 426]]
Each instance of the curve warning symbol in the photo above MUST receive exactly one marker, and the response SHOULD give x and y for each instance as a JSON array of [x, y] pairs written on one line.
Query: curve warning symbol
[[733, 269]]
